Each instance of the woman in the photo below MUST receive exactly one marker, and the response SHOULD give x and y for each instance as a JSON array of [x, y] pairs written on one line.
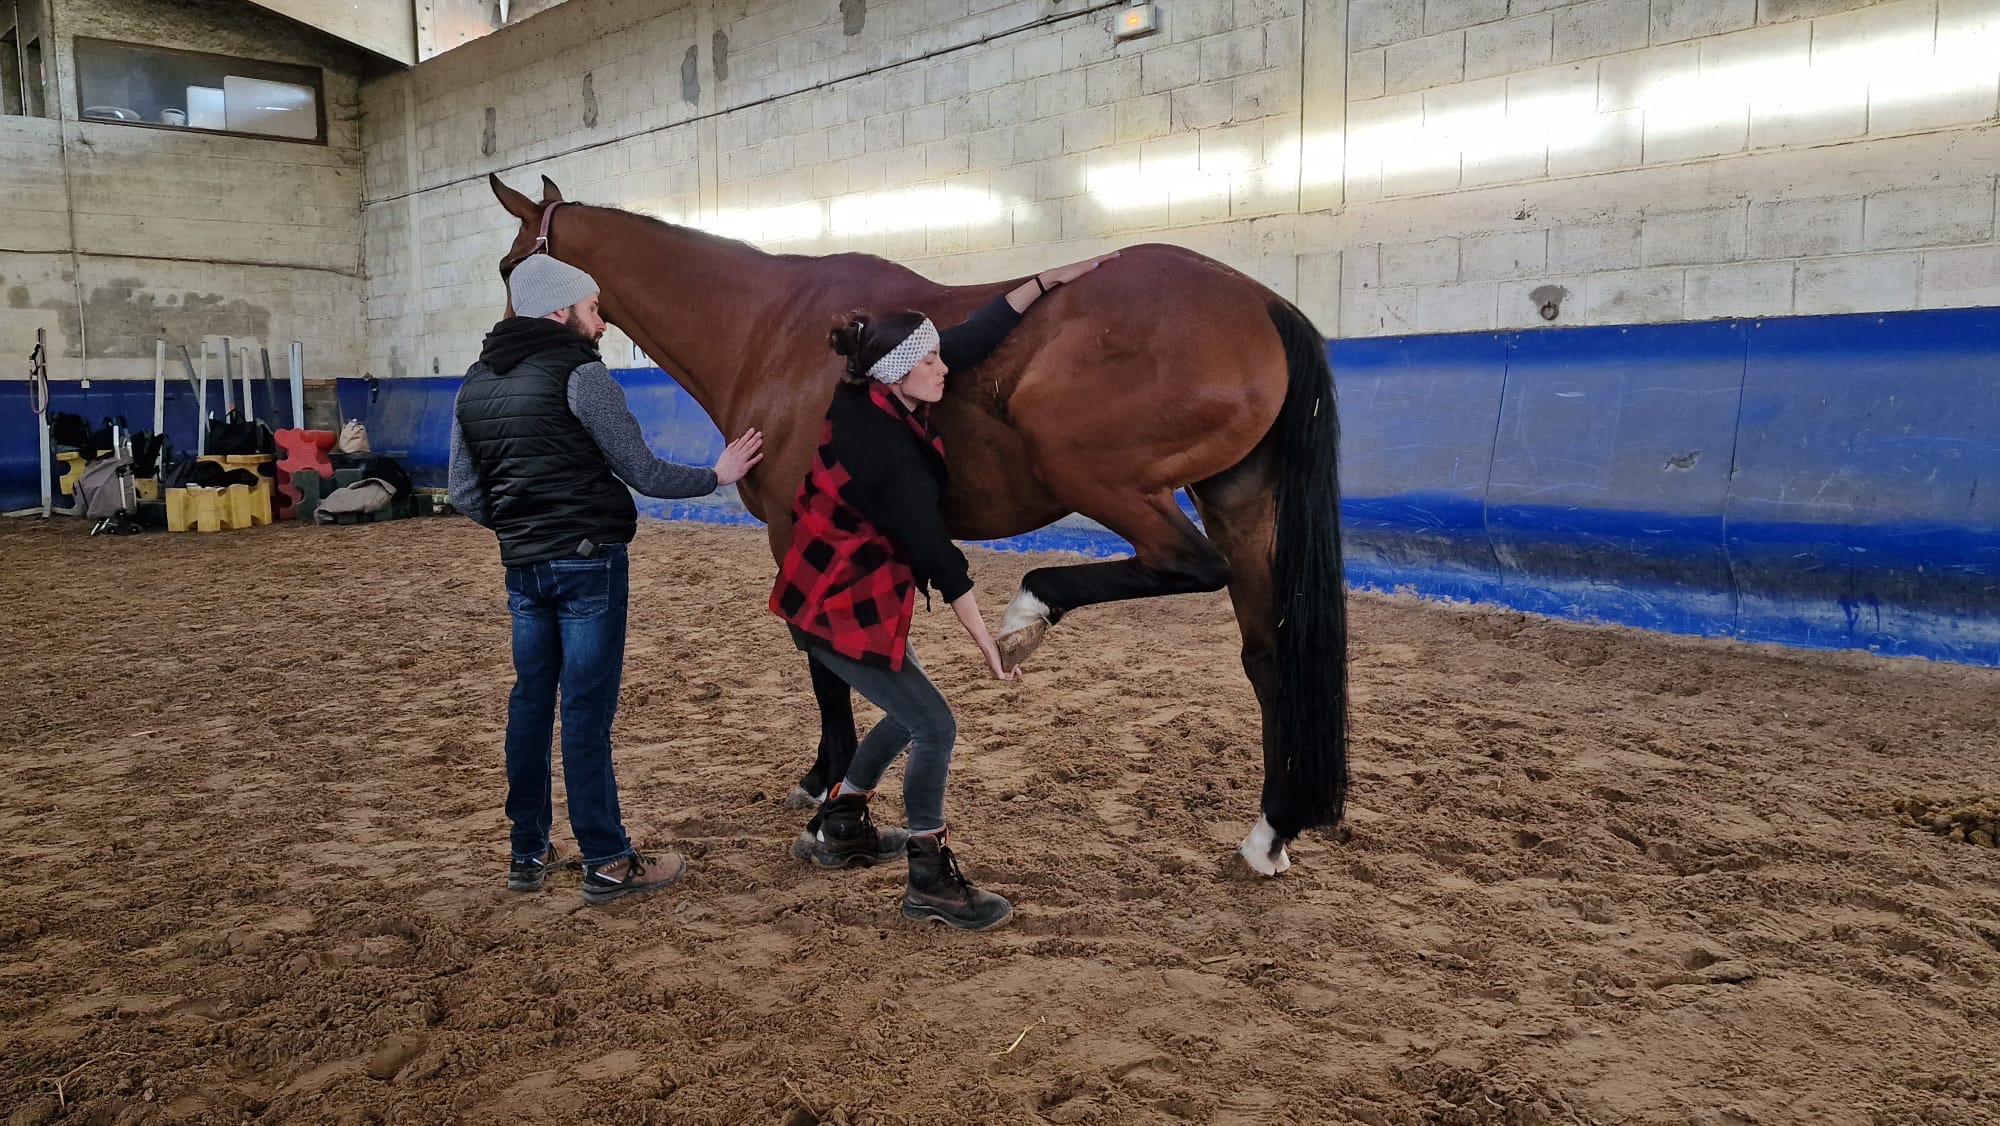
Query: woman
[[866, 534]]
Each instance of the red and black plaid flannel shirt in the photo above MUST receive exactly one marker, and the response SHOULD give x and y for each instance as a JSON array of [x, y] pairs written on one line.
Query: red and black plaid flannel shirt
[[842, 580]]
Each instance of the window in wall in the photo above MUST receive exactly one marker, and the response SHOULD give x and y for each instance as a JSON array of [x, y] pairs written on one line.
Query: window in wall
[[34, 103], [10, 71], [187, 90], [21, 59]]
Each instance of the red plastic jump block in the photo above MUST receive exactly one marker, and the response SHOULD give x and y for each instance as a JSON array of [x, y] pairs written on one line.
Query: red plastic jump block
[[298, 451]]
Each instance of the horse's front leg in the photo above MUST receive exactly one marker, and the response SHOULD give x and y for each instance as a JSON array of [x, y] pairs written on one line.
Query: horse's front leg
[[836, 738]]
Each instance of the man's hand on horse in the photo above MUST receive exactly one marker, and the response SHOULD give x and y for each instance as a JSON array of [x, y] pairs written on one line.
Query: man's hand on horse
[[738, 456]]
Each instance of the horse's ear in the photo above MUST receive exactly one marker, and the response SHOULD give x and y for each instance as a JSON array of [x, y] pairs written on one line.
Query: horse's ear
[[550, 193], [517, 205]]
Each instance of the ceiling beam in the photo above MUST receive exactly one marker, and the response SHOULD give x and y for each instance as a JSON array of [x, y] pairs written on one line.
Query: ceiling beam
[[386, 27]]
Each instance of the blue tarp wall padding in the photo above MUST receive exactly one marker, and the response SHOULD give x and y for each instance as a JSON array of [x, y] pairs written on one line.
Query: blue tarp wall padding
[[112, 398], [1813, 481]]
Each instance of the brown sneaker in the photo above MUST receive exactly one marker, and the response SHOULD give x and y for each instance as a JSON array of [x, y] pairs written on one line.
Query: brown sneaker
[[634, 873], [939, 892]]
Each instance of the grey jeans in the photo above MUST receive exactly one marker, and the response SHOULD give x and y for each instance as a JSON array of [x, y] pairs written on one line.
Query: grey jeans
[[915, 715]]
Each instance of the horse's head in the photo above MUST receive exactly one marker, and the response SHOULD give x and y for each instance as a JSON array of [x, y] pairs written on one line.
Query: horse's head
[[529, 213]]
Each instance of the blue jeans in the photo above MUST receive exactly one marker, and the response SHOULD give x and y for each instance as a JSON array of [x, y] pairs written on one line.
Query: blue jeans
[[569, 634], [916, 716]]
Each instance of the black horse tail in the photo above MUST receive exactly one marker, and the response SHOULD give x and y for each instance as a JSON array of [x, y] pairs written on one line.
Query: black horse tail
[[1305, 763]]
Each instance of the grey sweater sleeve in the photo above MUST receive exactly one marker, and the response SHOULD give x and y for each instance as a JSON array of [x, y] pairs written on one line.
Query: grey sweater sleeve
[[462, 477], [599, 403]]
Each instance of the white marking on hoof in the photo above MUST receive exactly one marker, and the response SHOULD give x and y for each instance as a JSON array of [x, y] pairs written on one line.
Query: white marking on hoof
[[1025, 610], [1259, 852], [800, 798], [1023, 629]]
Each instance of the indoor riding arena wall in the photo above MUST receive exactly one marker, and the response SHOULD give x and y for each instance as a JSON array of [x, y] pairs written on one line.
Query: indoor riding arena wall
[[1811, 481], [1815, 481]]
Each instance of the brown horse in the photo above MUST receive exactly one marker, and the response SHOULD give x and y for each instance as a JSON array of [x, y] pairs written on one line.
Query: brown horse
[[1159, 371]]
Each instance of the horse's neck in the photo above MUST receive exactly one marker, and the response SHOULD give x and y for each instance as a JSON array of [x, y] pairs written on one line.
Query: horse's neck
[[727, 319], [692, 302]]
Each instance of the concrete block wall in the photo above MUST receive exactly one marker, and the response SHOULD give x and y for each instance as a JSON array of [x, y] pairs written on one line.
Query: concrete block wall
[[970, 139], [560, 80], [184, 234], [1395, 166], [1663, 160]]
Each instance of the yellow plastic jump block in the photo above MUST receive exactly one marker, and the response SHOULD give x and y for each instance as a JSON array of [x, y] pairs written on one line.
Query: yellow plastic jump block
[[226, 509], [72, 472], [218, 510]]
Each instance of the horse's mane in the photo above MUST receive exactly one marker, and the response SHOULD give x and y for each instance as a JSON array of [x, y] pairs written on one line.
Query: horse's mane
[[724, 242], [695, 233]]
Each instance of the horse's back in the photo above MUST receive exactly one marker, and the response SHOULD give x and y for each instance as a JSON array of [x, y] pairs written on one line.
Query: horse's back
[[1158, 369]]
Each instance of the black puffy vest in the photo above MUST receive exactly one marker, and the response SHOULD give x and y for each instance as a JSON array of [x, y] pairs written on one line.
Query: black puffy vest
[[547, 485]]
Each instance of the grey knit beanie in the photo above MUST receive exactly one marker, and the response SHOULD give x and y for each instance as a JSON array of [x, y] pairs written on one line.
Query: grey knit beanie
[[540, 285]]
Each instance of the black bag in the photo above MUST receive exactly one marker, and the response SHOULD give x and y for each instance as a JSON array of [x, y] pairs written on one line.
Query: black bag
[[66, 429], [148, 450], [213, 475], [388, 469], [174, 474], [98, 442], [236, 436]]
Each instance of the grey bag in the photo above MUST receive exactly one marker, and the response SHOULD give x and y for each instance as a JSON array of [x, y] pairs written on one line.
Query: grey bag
[[100, 492]]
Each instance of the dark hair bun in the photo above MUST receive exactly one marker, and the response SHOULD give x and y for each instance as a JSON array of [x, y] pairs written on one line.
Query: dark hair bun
[[845, 337]]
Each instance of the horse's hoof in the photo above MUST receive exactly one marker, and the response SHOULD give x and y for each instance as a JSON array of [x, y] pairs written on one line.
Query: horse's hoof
[[1016, 647], [1266, 864], [1262, 852], [802, 798]]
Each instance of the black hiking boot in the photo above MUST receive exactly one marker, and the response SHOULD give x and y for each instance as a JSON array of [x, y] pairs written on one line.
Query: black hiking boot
[[634, 873], [939, 892], [527, 875], [846, 836]]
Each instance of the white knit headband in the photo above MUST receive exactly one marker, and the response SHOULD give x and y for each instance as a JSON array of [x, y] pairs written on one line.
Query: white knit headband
[[903, 357]]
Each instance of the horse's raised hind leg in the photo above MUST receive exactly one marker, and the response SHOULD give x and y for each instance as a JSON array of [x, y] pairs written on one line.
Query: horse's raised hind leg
[[1170, 556]]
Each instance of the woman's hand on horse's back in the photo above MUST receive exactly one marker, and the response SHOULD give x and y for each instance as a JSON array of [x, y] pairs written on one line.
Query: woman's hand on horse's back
[[1032, 290], [738, 456], [1062, 275]]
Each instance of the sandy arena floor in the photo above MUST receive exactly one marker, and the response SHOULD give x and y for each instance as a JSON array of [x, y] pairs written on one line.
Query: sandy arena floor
[[252, 816]]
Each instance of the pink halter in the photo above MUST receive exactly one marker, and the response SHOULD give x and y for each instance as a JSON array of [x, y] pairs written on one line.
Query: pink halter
[[542, 240]]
